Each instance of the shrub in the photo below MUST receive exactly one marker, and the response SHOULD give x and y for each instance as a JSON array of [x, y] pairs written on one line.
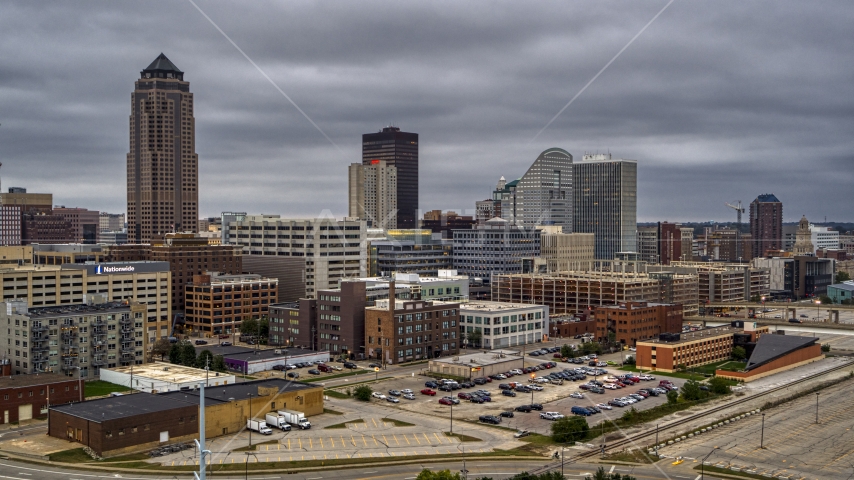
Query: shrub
[[363, 393], [719, 385], [672, 396], [569, 429], [825, 347]]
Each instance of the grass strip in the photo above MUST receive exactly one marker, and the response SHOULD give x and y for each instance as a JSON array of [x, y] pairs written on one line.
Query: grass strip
[[344, 424], [100, 388], [726, 471], [335, 394], [332, 412], [75, 455], [462, 438], [331, 377], [255, 446]]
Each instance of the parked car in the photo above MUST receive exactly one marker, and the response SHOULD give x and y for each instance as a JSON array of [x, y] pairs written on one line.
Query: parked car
[[201, 342], [524, 408], [453, 400], [378, 395], [490, 419], [576, 395], [521, 433], [508, 393], [224, 344], [430, 384], [603, 406], [279, 367], [427, 391], [536, 406], [406, 390], [374, 365], [480, 381], [476, 399], [409, 396], [445, 401], [293, 375], [394, 393], [350, 365], [464, 396], [506, 414]]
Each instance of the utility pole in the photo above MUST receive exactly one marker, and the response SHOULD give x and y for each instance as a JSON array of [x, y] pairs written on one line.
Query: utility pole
[[200, 443], [762, 437], [816, 407]]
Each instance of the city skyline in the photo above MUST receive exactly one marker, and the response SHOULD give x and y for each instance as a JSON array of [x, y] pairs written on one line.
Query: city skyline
[[708, 123]]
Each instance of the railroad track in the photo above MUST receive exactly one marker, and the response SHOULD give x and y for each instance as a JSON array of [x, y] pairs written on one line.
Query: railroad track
[[634, 439]]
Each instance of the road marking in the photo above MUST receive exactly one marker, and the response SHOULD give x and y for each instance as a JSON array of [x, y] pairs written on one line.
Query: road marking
[[22, 473], [375, 440], [321, 442], [416, 438], [375, 422], [300, 442], [437, 437], [289, 444], [425, 437], [310, 443], [612, 469], [385, 440]]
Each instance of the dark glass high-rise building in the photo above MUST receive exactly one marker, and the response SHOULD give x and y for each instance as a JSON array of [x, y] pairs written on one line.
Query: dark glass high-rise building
[[766, 224], [162, 165], [398, 149]]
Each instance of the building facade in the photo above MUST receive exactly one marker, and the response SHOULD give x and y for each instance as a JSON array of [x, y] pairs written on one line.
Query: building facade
[[217, 304], [61, 285], [332, 249], [496, 247], [290, 272], [669, 353], [111, 222], [444, 223], [543, 195], [408, 330], [75, 340], [10, 225], [373, 193], [162, 165], [28, 396], [85, 224], [499, 325], [766, 224], [563, 251], [399, 150], [605, 203], [578, 291], [631, 322]]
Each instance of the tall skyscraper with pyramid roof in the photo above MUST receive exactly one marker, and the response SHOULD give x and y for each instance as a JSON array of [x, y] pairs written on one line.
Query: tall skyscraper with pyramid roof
[[162, 165]]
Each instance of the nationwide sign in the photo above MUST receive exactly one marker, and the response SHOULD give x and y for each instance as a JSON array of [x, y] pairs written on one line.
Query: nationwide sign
[[99, 269]]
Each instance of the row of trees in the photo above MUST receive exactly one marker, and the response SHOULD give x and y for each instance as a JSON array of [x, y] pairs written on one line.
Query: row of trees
[[586, 348], [184, 353]]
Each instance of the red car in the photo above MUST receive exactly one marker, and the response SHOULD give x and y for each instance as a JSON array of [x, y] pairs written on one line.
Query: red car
[[427, 391], [464, 396], [445, 401]]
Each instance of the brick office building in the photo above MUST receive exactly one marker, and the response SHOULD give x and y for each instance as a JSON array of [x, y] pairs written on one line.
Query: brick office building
[[188, 254], [688, 349], [634, 321], [28, 396], [85, 224], [217, 304], [411, 330]]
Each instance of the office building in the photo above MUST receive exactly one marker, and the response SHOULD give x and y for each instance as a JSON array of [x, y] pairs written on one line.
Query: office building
[[798, 277], [496, 247], [60, 285], [217, 304], [399, 150], [491, 325], [724, 282], [398, 331], [819, 237], [670, 352], [114, 238], [408, 251], [687, 243], [766, 224], [648, 244], [841, 293], [290, 272], [543, 195], [728, 245], [332, 249], [61, 254], [604, 203], [69, 337], [187, 255], [111, 222], [162, 165], [373, 193], [10, 225], [444, 223], [13, 256], [577, 291], [631, 322], [225, 221], [85, 224], [564, 251]]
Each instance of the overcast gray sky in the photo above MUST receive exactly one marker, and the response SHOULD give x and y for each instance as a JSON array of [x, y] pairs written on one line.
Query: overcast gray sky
[[717, 101]]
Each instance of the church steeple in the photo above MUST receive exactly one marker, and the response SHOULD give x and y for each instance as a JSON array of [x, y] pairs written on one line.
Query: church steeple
[[803, 239]]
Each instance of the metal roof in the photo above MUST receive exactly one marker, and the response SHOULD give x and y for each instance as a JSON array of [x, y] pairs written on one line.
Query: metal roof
[[123, 406], [163, 64], [770, 347]]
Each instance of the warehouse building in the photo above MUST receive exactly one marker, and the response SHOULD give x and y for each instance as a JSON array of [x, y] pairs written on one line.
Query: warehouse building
[[28, 396], [161, 377]]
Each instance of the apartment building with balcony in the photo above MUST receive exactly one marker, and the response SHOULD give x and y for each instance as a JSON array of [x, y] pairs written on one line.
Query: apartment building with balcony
[[217, 304], [74, 340]]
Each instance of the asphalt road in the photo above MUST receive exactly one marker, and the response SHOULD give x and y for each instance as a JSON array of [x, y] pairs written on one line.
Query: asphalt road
[[13, 470]]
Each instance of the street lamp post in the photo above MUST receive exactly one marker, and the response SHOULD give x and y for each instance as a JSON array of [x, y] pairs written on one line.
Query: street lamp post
[[656, 439], [452, 418], [703, 462], [763, 307], [250, 419], [817, 311]]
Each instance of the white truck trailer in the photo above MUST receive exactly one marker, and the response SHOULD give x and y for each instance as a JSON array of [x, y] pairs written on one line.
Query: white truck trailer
[[296, 419]]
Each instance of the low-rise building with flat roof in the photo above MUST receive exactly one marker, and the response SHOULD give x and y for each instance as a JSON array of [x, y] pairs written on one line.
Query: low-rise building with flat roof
[[28, 396], [164, 377], [503, 324], [264, 360], [776, 353], [631, 322], [480, 364], [669, 352]]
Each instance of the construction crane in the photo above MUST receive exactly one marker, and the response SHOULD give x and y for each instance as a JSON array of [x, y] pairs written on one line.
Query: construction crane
[[739, 210]]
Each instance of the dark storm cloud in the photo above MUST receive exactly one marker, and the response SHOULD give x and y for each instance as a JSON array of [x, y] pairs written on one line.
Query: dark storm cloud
[[717, 101]]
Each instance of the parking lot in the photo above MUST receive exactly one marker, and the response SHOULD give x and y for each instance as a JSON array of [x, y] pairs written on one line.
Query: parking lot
[[553, 398]]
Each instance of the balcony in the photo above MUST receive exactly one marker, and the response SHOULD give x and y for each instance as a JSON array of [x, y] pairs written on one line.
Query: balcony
[[40, 346], [99, 323], [67, 367], [126, 331], [126, 321], [69, 335], [39, 328], [98, 360]]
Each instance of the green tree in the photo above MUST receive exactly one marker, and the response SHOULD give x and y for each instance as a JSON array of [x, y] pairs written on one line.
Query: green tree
[[691, 390], [474, 337], [188, 354], [739, 353], [630, 360], [218, 364], [567, 351], [205, 359], [440, 475], [569, 429], [249, 326], [175, 354], [591, 347], [842, 276], [719, 385], [825, 300], [363, 393], [672, 397], [612, 338], [825, 348], [161, 347], [756, 299]]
